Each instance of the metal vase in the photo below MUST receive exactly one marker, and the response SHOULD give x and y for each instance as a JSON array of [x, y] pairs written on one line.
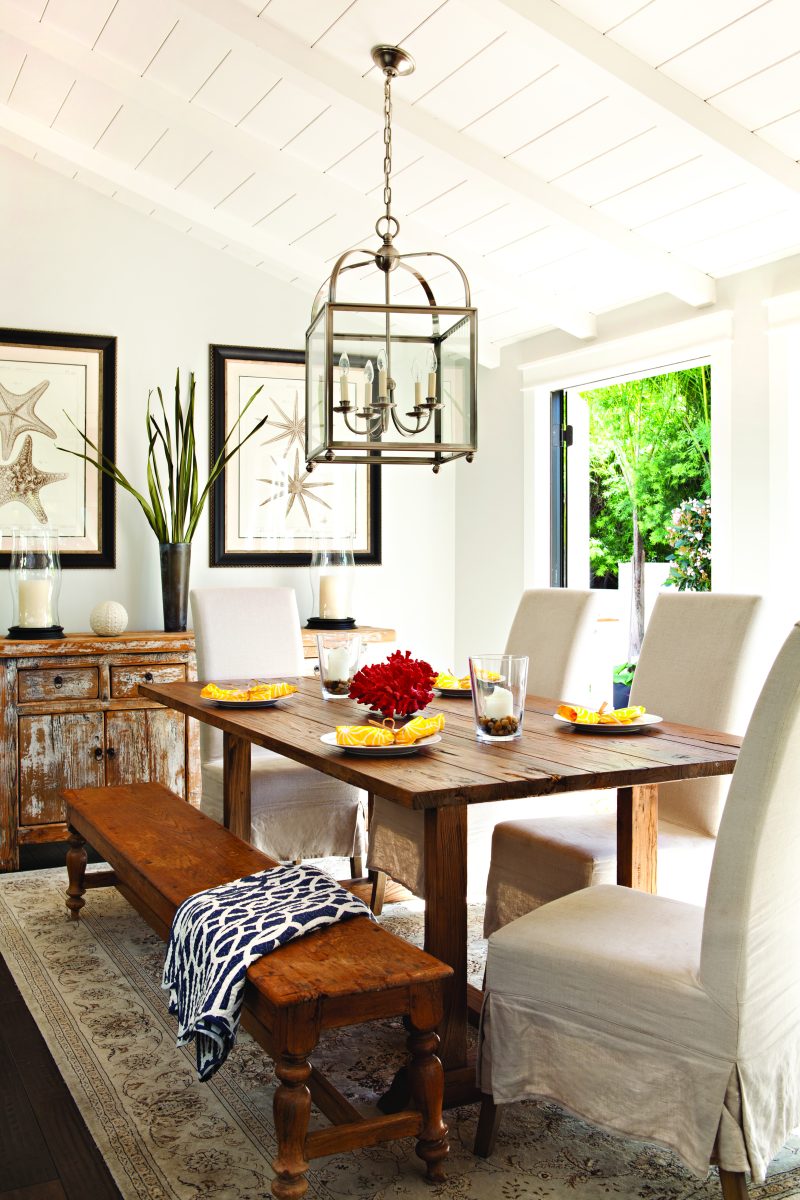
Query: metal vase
[[175, 560]]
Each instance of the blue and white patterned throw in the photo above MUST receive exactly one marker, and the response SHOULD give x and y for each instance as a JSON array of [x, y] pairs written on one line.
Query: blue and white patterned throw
[[217, 934]]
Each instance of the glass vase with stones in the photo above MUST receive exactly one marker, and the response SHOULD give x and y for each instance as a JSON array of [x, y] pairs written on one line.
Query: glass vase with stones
[[499, 683], [35, 577], [339, 655], [332, 571]]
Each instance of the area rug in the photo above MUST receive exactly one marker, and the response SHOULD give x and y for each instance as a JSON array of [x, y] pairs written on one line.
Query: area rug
[[94, 989]]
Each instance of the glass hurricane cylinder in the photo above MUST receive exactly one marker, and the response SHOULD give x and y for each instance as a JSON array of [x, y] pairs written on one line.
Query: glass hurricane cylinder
[[338, 662], [332, 570], [35, 577], [499, 683]]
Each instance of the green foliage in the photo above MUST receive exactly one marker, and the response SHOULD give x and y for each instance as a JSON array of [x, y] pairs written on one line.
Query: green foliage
[[689, 534], [623, 673], [171, 457], [650, 450]]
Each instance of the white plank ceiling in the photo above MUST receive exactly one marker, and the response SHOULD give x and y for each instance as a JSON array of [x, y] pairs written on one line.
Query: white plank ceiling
[[574, 157]]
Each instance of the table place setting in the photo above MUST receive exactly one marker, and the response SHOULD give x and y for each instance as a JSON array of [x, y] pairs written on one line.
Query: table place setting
[[607, 721], [257, 693]]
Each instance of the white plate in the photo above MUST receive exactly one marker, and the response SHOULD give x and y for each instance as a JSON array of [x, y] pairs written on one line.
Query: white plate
[[454, 693], [381, 751], [245, 703], [635, 726]]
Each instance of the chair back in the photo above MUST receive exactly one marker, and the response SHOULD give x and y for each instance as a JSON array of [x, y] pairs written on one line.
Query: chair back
[[750, 962], [550, 626], [692, 669], [241, 633]]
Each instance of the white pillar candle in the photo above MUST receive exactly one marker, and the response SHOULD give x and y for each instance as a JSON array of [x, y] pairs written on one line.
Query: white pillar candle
[[34, 604], [333, 590], [338, 664], [499, 704]]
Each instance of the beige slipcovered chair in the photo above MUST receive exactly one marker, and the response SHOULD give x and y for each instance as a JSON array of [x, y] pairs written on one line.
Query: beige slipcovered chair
[[551, 626], [663, 1020], [296, 812], [691, 670]]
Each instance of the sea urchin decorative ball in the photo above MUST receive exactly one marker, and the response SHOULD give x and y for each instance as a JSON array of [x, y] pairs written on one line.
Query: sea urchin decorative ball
[[108, 618]]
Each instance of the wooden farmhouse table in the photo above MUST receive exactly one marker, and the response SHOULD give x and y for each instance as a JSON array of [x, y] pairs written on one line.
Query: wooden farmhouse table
[[459, 771]]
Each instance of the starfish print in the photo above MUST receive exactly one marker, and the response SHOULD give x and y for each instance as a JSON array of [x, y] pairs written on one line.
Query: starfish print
[[17, 415], [297, 489], [21, 480], [293, 428]]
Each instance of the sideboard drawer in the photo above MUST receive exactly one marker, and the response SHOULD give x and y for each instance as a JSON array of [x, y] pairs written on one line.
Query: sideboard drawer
[[57, 683], [125, 680]]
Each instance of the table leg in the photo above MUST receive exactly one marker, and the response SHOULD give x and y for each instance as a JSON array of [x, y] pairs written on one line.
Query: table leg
[[236, 785], [637, 836], [446, 920]]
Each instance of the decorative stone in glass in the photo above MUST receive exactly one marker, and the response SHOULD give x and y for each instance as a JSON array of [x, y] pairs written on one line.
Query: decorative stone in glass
[[35, 577], [499, 683], [332, 569], [338, 655]]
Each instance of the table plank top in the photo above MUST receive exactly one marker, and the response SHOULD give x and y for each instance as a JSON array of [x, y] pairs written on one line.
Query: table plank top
[[547, 758]]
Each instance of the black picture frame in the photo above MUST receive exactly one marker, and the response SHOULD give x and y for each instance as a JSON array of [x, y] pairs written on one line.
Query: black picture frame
[[101, 363], [219, 554]]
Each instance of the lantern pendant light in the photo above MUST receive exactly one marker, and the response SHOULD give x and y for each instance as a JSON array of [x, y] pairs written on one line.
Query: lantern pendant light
[[390, 382]]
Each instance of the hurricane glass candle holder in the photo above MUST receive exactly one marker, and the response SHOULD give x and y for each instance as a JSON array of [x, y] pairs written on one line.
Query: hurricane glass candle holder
[[332, 569], [499, 683], [35, 578], [339, 655]]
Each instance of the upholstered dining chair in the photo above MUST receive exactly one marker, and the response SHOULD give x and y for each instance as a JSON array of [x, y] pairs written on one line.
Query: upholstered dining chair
[[552, 626], [663, 1020], [691, 670], [296, 812]]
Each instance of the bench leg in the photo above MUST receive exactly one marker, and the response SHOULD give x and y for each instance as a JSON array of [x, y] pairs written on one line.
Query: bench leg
[[76, 871], [378, 894], [426, 1077], [291, 1108]]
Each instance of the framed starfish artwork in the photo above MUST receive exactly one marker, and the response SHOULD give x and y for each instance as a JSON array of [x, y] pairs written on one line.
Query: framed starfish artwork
[[266, 507], [53, 385]]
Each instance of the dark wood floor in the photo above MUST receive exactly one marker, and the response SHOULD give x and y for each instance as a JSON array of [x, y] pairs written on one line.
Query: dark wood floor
[[46, 1151]]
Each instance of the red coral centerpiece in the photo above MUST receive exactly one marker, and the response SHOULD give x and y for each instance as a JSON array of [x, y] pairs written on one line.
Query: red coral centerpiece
[[398, 687]]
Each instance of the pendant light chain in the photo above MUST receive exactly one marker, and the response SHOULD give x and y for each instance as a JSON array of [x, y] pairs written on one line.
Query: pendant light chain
[[387, 143]]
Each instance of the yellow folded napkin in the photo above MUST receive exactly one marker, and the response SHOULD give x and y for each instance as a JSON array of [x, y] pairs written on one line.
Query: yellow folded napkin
[[452, 683], [587, 716], [418, 728], [255, 691], [364, 735]]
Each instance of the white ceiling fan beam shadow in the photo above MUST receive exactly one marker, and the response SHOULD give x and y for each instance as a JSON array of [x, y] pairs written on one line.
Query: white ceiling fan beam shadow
[[331, 81]]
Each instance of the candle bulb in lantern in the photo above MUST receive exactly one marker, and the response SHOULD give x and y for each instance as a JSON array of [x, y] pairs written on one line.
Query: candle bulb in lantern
[[369, 375], [382, 360], [499, 704], [416, 371], [344, 386], [432, 365]]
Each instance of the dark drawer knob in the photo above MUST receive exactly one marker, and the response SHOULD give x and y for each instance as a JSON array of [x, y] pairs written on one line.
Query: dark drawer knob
[[111, 752], [98, 753], [58, 681], [148, 676]]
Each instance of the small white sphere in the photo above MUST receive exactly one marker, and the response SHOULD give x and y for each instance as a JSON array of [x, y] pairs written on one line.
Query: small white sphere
[[108, 618]]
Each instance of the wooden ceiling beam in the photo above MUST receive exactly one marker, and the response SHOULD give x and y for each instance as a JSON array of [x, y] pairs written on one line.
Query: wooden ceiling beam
[[529, 18], [332, 81]]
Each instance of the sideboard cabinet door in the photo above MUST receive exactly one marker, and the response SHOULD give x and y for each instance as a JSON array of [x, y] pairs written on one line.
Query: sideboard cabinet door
[[147, 746], [56, 751]]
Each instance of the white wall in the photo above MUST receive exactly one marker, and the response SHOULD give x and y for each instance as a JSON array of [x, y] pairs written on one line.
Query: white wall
[[75, 261], [757, 344]]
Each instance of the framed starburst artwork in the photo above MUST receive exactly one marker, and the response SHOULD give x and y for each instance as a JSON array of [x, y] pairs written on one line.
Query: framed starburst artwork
[[53, 388], [266, 507]]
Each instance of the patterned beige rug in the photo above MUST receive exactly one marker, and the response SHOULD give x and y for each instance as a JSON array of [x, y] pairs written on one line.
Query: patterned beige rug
[[94, 990]]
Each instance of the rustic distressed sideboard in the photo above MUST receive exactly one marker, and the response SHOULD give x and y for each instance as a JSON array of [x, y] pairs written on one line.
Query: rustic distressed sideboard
[[71, 718]]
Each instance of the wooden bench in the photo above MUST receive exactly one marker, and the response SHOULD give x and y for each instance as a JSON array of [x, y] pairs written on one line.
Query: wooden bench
[[161, 851]]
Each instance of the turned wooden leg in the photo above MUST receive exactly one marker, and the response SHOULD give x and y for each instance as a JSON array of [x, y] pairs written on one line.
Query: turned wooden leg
[[291, 1108], [734, 1185], [488, 1126], [76, 870], [427, 1090], [378, 891]]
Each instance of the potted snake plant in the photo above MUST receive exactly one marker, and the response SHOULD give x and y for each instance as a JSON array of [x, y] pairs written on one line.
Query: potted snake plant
[[176, 500]]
